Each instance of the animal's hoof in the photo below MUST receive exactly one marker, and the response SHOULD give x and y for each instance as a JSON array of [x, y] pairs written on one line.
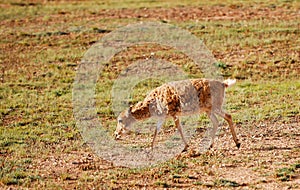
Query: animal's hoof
[[238, 145], [185, 148], [195, 154]]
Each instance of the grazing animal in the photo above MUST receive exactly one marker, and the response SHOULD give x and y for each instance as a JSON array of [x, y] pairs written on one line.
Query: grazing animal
[[178, 98]]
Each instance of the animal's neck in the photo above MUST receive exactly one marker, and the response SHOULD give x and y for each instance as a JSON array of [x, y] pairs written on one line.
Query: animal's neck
[[141, 111]]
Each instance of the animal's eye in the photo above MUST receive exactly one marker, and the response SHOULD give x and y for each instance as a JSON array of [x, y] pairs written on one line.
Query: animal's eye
[[120, 120]]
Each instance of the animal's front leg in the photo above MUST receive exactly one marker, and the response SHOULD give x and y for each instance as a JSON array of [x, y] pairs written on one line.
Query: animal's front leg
[[157, 129], [178, 126]]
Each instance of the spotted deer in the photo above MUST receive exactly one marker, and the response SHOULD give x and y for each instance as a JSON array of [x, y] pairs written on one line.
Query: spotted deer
[[178, 98]]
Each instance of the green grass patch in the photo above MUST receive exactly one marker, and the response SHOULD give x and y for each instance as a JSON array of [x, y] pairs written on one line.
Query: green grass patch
[[288, 173], [226, 183], [162, 184]]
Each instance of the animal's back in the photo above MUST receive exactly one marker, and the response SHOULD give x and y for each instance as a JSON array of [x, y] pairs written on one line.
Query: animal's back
[[178, 98]]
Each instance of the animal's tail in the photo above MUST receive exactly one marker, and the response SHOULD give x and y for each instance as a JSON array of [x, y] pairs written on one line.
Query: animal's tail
[[229, 82]]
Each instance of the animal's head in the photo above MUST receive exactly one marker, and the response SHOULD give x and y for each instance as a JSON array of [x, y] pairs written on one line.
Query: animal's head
[[125, 120]]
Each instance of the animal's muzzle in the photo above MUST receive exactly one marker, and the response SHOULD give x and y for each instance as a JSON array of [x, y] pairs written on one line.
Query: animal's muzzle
[[117, 136]]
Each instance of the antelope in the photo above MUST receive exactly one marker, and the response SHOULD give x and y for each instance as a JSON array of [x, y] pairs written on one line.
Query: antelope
[[178, 98]]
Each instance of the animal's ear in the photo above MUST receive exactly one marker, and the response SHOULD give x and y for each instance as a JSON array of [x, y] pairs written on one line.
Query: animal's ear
[[129, 110]]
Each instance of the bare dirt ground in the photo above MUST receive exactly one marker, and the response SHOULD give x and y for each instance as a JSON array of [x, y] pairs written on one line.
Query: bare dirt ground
[[266, 149], [268, 157]]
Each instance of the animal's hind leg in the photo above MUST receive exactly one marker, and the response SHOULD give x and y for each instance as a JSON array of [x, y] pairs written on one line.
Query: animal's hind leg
[[228, 118], [178, 126], [158, 127], [213, 131]]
